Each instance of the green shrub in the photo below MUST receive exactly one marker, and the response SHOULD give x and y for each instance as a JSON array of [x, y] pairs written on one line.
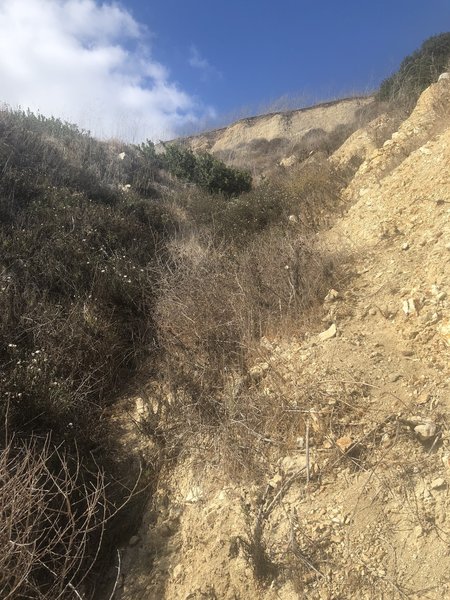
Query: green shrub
[[417, 71], [206, 171]]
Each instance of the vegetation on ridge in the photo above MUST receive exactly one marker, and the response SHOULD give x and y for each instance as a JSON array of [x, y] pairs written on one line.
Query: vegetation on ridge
[[417, 71]]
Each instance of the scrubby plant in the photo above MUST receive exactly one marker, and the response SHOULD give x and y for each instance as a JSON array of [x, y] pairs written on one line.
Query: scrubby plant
[[78, 286], [206, 171], [417, 71]]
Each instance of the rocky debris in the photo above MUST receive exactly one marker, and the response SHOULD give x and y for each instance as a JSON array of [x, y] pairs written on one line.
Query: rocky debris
[[426, 430], [344, 444], [293, 464], [258, 371], [332, 296], [394, 377], [328, 334], [438, 484], [289, 161], [409, 307], [194, 494], [444, 330]]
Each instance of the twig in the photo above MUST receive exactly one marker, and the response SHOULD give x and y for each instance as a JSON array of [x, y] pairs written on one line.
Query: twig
[[307, 453], [118, 575]]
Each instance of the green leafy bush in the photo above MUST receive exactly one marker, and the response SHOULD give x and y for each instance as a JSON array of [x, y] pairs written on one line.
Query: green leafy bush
[[205, 170], [417, 71]]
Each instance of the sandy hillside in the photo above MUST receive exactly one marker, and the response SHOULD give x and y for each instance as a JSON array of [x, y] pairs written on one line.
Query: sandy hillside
[[373, 520], [261, 142]]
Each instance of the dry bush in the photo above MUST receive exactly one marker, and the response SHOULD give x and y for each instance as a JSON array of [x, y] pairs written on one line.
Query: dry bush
[[53, 514], [214, 306], [247, 270]]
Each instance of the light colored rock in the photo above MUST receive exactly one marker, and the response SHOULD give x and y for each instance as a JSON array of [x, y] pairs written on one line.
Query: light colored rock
[[194, 494], [438, 484], [121, 155], [344, 443], [288, 161], [331, 296], [444, 76], [394, 377], [328, 334], [409, 307], [444, 330], [258, 371], [426, 431], [293, 464]]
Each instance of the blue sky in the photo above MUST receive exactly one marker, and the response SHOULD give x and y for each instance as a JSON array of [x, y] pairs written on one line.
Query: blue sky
[[265, 49], [136, 69]]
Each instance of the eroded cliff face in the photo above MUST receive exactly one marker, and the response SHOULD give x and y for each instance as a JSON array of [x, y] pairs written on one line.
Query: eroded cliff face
[[359, 507], [259, 143]]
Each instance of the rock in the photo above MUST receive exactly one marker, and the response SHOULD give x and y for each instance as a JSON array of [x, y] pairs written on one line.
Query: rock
[[194, 494], [438, 484], [423, 398], [176, 573], [426, 431], [121, 155], [135, 539], [441, 296], [266, 344], [418, 531], [288, 161], [409, 307], [275, 481], [328, 334], [292, 219], [430, 317], [258, 371], [300, 442], [293, 464], [331, 296], [394, 377], [405, 246], [372, 311], [444, 330], [444, 76], [344, 444]]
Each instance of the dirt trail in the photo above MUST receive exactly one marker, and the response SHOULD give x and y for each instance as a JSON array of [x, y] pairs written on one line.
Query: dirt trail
[[373, 520]]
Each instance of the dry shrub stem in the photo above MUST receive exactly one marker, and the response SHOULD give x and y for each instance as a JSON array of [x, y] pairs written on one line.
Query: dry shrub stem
[[54, 511]]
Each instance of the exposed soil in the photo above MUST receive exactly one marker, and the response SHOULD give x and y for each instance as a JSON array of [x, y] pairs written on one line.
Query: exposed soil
[[365, 515]]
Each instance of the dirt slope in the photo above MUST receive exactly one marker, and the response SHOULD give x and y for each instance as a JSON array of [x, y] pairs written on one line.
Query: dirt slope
[[372, 522], [260, 142]]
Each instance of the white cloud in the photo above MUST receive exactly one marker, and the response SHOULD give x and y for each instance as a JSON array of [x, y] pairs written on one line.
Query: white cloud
[[90, 63], [197, 61]]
